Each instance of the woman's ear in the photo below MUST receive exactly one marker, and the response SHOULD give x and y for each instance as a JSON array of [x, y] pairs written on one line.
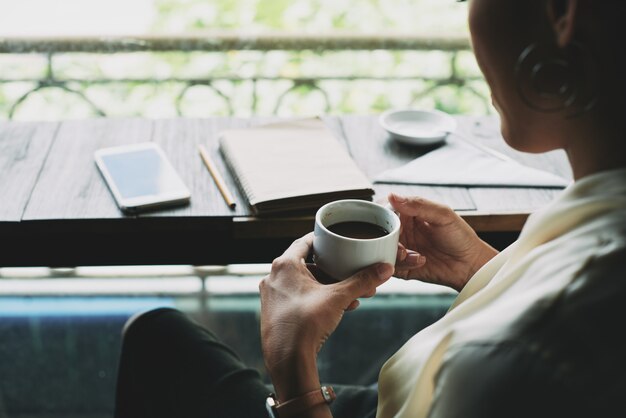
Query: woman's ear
[[562, 17]]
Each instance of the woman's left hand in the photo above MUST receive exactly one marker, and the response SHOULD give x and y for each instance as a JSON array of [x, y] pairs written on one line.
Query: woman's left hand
[[298, 314]]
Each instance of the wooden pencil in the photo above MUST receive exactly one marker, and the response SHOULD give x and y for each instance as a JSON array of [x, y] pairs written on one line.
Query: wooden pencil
[[219, 180]]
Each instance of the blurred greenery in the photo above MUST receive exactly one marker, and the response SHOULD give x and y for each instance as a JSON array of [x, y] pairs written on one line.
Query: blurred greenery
[[390, 69], [433, 16]]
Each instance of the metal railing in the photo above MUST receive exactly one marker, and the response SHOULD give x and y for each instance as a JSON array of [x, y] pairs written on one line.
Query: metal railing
[[223, 82]]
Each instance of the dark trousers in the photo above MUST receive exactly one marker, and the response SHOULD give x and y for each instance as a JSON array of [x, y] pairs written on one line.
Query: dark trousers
[[172, 367]]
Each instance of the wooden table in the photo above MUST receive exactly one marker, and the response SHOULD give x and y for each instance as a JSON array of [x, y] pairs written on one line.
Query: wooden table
[[55, 210]]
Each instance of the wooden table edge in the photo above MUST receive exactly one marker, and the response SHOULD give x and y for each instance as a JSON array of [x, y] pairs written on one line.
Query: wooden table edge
[[247, 227]]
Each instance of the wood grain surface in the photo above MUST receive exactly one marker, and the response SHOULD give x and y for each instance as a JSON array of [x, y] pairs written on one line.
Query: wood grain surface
[[23, 151], [70, 185], [50, 188]]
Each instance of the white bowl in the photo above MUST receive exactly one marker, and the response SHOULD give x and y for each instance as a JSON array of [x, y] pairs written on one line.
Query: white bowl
[[418, 127]]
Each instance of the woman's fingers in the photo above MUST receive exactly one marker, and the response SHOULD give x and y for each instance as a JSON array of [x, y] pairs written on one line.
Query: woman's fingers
[[355, 304], [299, 249], [408, 259], [421, 208], [294, 255], [413, 260], [401, 254]]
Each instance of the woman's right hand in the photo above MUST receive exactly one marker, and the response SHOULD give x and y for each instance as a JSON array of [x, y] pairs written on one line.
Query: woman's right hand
[[439, 246]]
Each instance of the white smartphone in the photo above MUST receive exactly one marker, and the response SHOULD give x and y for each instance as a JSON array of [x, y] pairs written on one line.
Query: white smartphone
[[140, 177]]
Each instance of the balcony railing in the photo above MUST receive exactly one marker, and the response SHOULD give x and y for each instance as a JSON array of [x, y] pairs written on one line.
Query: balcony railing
[[238, 74]]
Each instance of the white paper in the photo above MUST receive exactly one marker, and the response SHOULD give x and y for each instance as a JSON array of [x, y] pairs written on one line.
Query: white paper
[[460, 164]]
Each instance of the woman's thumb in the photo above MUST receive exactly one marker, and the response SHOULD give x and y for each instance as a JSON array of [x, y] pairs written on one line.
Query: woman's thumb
[[365, 282]]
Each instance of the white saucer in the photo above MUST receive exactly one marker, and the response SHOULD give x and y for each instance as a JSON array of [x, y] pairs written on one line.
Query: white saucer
[[418, 127]]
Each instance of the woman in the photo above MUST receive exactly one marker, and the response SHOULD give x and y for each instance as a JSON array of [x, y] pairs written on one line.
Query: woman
[[534, 330]]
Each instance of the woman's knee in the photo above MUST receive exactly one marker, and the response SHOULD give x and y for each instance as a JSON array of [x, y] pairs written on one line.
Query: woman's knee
[[139, 320]]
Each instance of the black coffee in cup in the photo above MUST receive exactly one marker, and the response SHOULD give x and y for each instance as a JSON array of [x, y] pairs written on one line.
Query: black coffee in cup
[[358, 230], [353, 234]]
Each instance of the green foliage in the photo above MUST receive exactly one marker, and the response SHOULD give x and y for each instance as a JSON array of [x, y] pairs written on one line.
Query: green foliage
[[312, 15], [269, 13], [381, 103], [308, 16]]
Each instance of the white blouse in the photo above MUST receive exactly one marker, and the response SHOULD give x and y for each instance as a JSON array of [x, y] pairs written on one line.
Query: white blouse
[[551, 258]]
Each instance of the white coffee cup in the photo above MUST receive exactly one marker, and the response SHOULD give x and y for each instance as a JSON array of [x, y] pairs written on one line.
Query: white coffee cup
[[339, 256]]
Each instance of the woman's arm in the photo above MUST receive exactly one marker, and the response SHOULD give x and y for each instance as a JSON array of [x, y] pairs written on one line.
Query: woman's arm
[[298, 314], [295, 377]]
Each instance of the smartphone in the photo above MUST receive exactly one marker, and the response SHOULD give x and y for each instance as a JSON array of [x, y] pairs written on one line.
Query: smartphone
[[140, 177]]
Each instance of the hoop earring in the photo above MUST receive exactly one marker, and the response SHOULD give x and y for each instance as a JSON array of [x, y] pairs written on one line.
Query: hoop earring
[[555, 84]]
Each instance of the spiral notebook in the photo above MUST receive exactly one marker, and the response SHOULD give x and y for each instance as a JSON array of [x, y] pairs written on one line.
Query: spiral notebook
[[292, 166]]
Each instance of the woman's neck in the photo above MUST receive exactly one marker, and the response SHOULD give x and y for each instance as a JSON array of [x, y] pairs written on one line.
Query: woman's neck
[[594, 148]]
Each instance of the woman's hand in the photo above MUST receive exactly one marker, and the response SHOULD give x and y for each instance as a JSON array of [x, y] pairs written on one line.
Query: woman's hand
[[298, 314], [439, 246]]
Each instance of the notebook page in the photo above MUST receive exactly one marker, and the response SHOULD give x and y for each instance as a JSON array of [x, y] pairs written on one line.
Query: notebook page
[[296, 158]]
